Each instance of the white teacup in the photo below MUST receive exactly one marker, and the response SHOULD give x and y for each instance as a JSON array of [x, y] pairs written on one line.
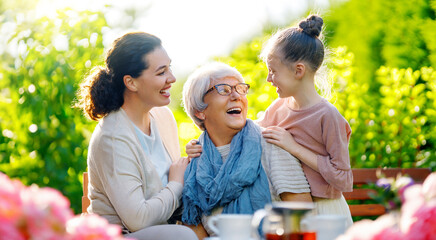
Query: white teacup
[[326, 226], [231, 226]]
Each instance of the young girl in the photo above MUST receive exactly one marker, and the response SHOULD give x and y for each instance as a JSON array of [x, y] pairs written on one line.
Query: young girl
[[304, 123]]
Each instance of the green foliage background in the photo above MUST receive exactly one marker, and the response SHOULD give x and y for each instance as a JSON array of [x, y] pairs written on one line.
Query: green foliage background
[[44, 141], [391, 81], [381, 63]]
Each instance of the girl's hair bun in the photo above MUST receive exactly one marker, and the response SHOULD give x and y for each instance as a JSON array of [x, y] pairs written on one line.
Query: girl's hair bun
[[312, 25]]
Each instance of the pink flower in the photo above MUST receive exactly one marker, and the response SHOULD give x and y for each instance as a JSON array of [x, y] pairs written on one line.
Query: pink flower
[[417, 220], [46, 212], [414, 199], [9, 185], [388, 233], [383, 227], [358, 231], [10, 208], [429, 187], [90, 226], [8, 231], [10, 201], [417, 198], [423, 225]]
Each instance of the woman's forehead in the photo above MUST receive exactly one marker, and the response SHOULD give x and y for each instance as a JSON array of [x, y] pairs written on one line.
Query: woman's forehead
[[227, 79]]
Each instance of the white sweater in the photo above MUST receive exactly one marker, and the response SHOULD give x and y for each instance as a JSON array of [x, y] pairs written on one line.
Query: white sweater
[[124, 186]]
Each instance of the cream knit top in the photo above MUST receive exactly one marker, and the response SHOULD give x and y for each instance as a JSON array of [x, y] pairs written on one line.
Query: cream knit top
[[124, 186]]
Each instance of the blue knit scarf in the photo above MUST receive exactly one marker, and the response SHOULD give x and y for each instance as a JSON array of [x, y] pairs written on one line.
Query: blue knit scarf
[[239, 185]]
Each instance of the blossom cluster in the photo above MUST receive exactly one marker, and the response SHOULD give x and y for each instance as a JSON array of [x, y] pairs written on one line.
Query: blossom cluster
[[44, 213], [416, 219], [390, 191]]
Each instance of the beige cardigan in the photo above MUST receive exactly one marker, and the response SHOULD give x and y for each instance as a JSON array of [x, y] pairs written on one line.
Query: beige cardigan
[[124, 186]]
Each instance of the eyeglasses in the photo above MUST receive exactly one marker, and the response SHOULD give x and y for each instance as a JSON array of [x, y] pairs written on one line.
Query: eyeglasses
[[225, 89]]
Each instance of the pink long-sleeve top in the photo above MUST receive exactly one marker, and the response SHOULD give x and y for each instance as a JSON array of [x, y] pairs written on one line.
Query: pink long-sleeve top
[[323, 130]]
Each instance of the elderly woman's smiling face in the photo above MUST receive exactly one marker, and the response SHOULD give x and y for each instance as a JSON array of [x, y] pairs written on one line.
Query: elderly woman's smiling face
[[224, 114]]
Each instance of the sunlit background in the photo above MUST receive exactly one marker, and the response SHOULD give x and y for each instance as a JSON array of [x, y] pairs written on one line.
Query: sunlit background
[[381, 63], [192, 31]]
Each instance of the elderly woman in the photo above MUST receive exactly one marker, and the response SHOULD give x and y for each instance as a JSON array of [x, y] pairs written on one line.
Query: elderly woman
[[238, 171]]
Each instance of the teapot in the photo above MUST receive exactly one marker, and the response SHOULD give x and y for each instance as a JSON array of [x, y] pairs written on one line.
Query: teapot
[[281, 221]]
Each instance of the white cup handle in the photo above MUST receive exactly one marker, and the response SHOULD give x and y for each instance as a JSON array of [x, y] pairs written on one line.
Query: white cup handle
[[258, 216], [212, 222]]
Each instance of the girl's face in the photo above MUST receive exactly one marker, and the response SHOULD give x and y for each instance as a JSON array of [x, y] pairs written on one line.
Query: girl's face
[[154, 83], [282, 77]]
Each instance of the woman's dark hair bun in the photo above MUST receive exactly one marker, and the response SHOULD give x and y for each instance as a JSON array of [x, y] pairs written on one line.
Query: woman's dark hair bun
[[312, 25]]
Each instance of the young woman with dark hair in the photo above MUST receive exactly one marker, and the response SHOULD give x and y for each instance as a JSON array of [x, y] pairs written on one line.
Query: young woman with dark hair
[[134, 164]]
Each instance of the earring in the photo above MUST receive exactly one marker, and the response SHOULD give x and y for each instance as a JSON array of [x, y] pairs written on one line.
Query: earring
[[200, 115]]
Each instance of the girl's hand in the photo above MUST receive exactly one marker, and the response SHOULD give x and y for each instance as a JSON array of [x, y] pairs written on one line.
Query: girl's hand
[[177, 170], [280, 137], [285, 140], [193, 149]]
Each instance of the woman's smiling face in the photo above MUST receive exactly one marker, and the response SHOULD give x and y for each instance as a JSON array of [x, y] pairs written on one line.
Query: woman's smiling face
[[155, 82], [225, 113]]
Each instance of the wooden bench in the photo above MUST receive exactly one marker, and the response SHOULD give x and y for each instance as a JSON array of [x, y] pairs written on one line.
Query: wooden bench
[[361, 176], [365, 176]]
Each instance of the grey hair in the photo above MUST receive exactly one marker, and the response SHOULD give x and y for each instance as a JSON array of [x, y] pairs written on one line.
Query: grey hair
[[199, 82]]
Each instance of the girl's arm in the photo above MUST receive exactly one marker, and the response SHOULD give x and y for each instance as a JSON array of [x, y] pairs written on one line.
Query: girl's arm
[[193, 149], [199, 231], [334, 168], [282, 138], [296, 197]]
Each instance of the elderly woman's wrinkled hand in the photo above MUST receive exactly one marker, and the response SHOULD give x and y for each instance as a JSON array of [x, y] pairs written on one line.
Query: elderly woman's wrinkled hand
[[193, 149], [177, 170], [280, 137]]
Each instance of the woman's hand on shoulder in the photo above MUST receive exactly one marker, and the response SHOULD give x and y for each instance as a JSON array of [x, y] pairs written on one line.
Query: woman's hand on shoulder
[[193, 149], [177, 170], [280, 137]]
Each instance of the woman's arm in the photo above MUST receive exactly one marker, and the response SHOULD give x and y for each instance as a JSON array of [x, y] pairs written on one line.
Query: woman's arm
[[123, 181]]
